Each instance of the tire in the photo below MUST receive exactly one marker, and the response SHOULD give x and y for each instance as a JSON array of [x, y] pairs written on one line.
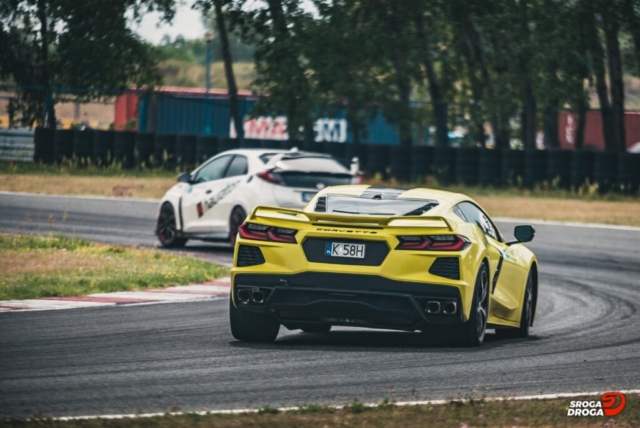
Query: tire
[[473, 331], [316, 328], [236, 219], [251, 326], [166, 229], [525, 318]]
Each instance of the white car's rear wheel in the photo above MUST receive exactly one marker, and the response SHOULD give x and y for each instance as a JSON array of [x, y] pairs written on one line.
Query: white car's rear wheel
[[236, 219], [166, 229]]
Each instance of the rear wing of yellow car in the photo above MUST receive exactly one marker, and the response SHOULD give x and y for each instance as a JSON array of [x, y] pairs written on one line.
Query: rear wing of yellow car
[[353, 220]]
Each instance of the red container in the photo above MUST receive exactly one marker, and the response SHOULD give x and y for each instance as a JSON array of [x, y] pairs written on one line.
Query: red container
[[593, 137]]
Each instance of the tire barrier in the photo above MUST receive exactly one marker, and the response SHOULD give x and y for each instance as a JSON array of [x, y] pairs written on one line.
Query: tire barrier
[[337, 150], [272, 144], [103, 147], [250, 143], [124, 148], [378, 160], [605, 170], [581, 168], [629, 172], [43, 145], [83, 146], [421, 160], [535, 167], [62, 144], [206, 147], [467, 166], [559, 168], [489, 170], [443, 167], [512, 166], [164, 150], [145, 142], [186, 151], [401, 163], [225, 144]]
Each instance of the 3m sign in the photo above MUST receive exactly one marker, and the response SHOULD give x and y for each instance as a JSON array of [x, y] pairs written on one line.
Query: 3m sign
[[275, 128]]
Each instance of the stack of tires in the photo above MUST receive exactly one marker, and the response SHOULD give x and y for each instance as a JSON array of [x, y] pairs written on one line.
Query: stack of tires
[[559, 168], [83, 146], [401, 163], [605, 170], [535, 167], [103, 142], [145, 142], [489, 169], [467, 166], [43, 146], [124, 146], [581, 168], [421, 160], [164, 153], [206, 147], [443, 167], [186, 151], [378, 160], [62, 145], [629, 172], [225, 144], [512, 166]]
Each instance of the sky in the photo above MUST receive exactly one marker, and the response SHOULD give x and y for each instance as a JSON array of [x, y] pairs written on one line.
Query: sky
[[186, 22]]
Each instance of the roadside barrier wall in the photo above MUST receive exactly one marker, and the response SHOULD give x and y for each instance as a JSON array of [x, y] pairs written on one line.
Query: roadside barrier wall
[[469, 166]]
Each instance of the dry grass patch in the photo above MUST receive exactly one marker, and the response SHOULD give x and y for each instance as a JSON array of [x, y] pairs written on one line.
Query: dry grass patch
[[56, 266]]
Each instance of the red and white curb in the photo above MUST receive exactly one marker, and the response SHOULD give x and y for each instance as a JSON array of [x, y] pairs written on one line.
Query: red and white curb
[[184, 293]]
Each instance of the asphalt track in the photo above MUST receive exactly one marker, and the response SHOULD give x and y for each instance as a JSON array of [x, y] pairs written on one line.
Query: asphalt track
[[182, 356]]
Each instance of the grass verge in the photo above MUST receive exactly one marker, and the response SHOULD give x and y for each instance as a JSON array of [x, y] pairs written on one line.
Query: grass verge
[[474, 413], [545, 202], [32, 267]]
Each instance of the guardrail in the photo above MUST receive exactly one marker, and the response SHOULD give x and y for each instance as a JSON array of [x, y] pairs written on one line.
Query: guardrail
[[16, 145]]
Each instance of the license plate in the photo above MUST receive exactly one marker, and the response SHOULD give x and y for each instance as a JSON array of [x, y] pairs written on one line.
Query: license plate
[[341, 249], [307, 196]]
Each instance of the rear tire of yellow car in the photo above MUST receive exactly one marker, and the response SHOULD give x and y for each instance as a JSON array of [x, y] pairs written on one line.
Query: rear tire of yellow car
[[525, 319], [252, 327], [473, 331], [316, 328]]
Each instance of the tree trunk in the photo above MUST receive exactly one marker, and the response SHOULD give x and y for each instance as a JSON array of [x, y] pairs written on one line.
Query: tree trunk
[[437, 103], [614, 60], [528, 115], [404, 92], [477, 128], [45, 73], [582, 122], [633, 26], [228, 70], [282, 35], [610, 141]]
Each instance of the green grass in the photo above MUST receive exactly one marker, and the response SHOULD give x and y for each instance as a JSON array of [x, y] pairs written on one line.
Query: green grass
[[55, 266], [455, 414]]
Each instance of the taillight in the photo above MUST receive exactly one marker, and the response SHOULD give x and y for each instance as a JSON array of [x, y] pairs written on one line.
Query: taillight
[[268, 176], [261, 232], [433, 242]]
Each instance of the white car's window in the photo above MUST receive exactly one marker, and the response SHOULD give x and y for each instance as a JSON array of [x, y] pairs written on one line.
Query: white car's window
[[238, 166], [214, 170], [312, 163], [474, 215]]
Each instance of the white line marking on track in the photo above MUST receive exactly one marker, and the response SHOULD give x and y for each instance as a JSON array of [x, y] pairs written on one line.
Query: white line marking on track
[[338, 407]]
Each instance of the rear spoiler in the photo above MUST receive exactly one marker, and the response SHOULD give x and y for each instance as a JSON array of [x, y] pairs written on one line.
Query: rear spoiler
[[355, 220]]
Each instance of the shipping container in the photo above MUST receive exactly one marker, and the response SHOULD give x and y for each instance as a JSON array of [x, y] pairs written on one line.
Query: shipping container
[[593, 136]]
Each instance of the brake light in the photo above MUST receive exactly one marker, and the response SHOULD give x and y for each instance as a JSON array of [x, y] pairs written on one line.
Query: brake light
[[261, 232], [268, 176], [433, 242]]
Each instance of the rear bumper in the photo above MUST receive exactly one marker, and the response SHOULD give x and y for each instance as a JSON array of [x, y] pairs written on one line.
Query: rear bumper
[[347, 299]]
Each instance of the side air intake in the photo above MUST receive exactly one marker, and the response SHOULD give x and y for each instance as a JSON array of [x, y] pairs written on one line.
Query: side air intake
[[321, 205], [249, 255], [447, 267]]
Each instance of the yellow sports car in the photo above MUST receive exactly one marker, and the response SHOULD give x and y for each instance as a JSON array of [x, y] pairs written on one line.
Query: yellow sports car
[[415, 260]]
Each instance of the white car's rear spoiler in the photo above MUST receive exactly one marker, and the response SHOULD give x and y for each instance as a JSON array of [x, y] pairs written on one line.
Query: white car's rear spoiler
[[359, 220]]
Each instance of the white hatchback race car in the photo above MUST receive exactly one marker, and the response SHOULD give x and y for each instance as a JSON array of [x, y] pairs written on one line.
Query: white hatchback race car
[[211, 202]]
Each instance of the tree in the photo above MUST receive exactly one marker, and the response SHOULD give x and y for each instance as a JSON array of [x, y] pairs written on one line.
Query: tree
[[223, 35], [75, 44]]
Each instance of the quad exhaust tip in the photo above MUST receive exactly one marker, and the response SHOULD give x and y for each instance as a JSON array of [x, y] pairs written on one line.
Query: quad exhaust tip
[[244, 295], [257, 296], [434, 307]]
